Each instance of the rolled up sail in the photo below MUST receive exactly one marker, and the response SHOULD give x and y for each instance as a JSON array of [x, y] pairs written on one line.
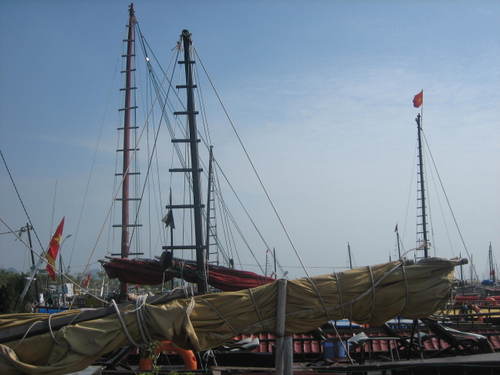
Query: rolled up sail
[[372, 294]]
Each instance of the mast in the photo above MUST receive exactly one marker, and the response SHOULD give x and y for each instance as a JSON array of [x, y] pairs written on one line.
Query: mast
[[28, 231], [209, 198], [398, 242], [349, 252], [129, 69], [195, 166], [492, 265], [421, 198]]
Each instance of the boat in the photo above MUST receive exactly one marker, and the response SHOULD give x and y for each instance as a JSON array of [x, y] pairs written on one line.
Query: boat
[[203, 320]]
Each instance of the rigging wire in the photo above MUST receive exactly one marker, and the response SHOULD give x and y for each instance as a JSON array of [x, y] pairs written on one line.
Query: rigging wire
[[449, 206], [53, 210], [21, 201], [253, 166], [410, 190], [44, 259], [438, 198], [92, 166]]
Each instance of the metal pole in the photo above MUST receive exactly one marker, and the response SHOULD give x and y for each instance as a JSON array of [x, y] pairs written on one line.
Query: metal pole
[[28, 230], [422, 185], [193, 135], [126, 143]]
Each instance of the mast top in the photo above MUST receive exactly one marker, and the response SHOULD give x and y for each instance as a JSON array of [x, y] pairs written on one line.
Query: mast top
[[418, 119], [131, 11]]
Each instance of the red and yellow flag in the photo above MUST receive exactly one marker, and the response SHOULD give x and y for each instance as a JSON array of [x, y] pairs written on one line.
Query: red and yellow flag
[[51, 255], [86, 281], [418, 99]]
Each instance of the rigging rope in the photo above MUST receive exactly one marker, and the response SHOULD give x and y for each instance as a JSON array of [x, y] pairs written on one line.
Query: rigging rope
[[21, 201], [43, 259], [92, 166], [449, 205], [252, 166]]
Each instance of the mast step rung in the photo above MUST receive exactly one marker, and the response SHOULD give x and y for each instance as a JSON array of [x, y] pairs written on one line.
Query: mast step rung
[[131, 88], [184, 170], [186, 86], [128, 40], [184, 140], [128, 225], [124, 109], [130, 127], [185, 113], [174, 206], [183, 62], [128, 70], [128, 199], [128, 149], [180, 247], [133, 55], [129, 173], [120, 254]]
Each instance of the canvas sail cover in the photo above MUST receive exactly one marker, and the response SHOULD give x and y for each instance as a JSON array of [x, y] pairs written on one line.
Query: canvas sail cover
[[152, 272], [371, 295]]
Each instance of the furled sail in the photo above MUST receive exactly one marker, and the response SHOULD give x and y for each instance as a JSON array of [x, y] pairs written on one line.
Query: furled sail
[[371, 295], [153, 272]]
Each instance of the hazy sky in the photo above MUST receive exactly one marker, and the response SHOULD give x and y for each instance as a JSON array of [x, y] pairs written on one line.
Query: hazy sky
[[320, 92]]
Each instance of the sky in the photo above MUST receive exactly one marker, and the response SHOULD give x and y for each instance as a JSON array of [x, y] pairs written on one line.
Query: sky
[[320, 93]]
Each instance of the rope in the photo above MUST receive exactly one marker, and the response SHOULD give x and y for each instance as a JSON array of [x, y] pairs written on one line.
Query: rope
[[92, 166], [373, 290], [405, 276], [339, 290], [449, 205], [52, 332], [254, 303], [60, 272], [254, 169], [220, 315], [122, 323], [21, 200], [26, 333]]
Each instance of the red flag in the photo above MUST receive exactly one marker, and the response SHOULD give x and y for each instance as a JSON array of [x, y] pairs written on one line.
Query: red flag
[[51, 255], [86, 282], [418, 99]]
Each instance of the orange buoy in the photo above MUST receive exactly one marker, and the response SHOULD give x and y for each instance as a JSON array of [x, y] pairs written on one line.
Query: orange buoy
[[190, 362]]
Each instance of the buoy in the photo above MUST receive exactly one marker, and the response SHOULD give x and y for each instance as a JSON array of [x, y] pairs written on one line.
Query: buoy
[[190, 362]]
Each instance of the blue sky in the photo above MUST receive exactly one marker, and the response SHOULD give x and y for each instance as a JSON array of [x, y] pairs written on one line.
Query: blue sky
[[320, 92]]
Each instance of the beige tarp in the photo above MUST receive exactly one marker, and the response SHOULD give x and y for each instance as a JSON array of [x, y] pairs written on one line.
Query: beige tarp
[[366, 295]]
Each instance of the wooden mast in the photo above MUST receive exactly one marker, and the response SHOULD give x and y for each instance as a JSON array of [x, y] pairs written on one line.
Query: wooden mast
[[195, 165], [421, 198], [492, 265], [129, 69], [350, 257]]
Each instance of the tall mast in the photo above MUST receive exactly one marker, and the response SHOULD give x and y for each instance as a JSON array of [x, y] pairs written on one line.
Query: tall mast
[[209, 198], [129, 69], [195, 166], [350, 257], [398, 242], [492, 265], [421, 198]]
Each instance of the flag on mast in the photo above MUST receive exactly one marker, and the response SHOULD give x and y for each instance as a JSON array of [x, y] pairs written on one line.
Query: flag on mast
[[418, 99], [54, 245]]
